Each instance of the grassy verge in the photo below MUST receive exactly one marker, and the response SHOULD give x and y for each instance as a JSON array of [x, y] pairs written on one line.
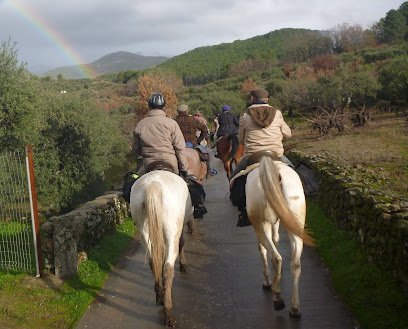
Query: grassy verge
[[26, 302], [373, 295]]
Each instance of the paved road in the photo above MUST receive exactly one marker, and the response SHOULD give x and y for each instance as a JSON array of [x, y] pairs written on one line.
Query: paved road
[[223, 287]]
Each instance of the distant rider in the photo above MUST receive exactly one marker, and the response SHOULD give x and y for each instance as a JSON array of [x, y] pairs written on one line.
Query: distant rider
[[189, 126]]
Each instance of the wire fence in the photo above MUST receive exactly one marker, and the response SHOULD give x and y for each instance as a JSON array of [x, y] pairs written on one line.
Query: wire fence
[[17, 245]]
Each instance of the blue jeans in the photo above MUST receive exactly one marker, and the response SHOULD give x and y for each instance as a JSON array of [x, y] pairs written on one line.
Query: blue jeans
[[189, 144]]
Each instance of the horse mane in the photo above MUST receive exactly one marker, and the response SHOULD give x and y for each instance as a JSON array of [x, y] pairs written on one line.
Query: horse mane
[[154, 212], [270, 181]]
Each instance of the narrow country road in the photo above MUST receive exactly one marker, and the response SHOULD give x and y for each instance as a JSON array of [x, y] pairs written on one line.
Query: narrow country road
[[223, 286]]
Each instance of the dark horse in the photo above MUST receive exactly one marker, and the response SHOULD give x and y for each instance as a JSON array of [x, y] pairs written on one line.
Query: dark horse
[[229, 151]]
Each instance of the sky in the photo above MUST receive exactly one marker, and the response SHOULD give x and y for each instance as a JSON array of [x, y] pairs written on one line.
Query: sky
[[50, 33]]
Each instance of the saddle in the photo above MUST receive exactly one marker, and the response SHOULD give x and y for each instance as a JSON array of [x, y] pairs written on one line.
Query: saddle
[[159, 165], [203, 152], [237, 183], [131, 177]]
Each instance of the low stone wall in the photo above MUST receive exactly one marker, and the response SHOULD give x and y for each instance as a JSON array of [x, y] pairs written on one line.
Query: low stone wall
[[379, 221], [65, 237]]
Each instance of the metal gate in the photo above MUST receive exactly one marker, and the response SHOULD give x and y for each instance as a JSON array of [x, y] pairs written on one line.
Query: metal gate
[[19, 226]]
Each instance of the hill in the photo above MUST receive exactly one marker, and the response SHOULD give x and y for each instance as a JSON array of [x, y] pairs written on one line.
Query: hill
[[205, 64], [111, 63]]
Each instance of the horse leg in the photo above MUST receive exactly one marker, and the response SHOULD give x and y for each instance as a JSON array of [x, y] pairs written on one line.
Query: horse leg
[[190, 226], [182, 256], [227, 168], [168, 276], [295, 267], [263, 233], [266, 285], [158, 287]]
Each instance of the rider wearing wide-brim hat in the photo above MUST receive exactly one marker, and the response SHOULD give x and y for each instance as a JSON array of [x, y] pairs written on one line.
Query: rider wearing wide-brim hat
[[159, 138]]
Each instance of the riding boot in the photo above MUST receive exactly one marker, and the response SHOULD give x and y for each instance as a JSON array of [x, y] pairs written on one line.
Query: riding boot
[[243, 219], [199, 211]]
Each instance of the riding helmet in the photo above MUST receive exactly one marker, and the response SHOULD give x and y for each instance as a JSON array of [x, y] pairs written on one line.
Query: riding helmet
[[157, 101]]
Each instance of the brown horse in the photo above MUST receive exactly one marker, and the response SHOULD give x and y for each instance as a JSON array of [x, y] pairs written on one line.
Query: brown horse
[[195, 166], [229, 151]]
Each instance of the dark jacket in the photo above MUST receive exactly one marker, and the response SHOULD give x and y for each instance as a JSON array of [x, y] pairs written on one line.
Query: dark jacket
[[228, 122]]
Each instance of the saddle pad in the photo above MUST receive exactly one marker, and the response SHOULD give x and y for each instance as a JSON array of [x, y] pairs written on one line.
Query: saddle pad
[[246, 171]]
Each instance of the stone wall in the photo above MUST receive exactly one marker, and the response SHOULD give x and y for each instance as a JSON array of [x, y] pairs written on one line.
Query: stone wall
[[65, 236], [379, 221]]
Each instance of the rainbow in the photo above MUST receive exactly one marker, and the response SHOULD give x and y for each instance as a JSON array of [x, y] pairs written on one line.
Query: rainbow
[[52, 34]]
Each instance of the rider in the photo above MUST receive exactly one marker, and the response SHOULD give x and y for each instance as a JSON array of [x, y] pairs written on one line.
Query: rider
[[189, 126], [158, 137], [200, 118], [261, 128], [228, 123]]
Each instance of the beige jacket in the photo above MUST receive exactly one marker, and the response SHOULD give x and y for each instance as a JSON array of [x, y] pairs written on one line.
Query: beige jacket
[[157, 137], [262, 128]]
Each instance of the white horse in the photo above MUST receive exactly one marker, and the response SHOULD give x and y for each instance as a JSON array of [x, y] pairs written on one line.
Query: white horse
[[274, 193], [160, 205]]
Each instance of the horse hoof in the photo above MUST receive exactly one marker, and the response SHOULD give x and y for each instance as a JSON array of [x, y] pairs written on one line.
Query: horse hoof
[[267, 287], [278, 305], [294, 313], [183, 268], [170, 323], [169, 320]]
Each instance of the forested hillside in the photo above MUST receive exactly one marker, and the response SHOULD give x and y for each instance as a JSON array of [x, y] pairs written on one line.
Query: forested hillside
[[211, 63]]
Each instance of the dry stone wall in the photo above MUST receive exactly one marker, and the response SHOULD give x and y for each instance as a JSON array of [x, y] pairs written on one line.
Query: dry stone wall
[[67, 236], [378, 220]]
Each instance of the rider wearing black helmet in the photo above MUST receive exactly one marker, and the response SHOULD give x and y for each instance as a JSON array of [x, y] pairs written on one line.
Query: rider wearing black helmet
[[159, 138]]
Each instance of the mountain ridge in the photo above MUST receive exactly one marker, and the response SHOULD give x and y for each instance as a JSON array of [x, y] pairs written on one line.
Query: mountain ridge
[[111, 63]]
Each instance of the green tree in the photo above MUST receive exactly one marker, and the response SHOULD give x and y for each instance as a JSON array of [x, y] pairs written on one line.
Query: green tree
[[74, 142], [393, 78], [395, 27], [20, 111]]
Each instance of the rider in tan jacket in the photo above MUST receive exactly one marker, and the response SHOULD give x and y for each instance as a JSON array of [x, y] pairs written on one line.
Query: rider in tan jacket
[[157, 137], [261, 128]]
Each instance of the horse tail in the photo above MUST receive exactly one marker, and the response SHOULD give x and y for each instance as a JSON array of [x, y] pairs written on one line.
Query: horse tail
[[234, 144], [153, 207], [270, 182]]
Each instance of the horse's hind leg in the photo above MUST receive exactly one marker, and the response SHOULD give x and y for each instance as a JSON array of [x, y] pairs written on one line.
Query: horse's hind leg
[[264, 234], [267, 285], [168, 276], [295, 266], [158, 287], [227, 168], [182, 256]]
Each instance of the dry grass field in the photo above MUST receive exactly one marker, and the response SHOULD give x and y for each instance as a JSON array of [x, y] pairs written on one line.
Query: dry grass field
[[379, 150]]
